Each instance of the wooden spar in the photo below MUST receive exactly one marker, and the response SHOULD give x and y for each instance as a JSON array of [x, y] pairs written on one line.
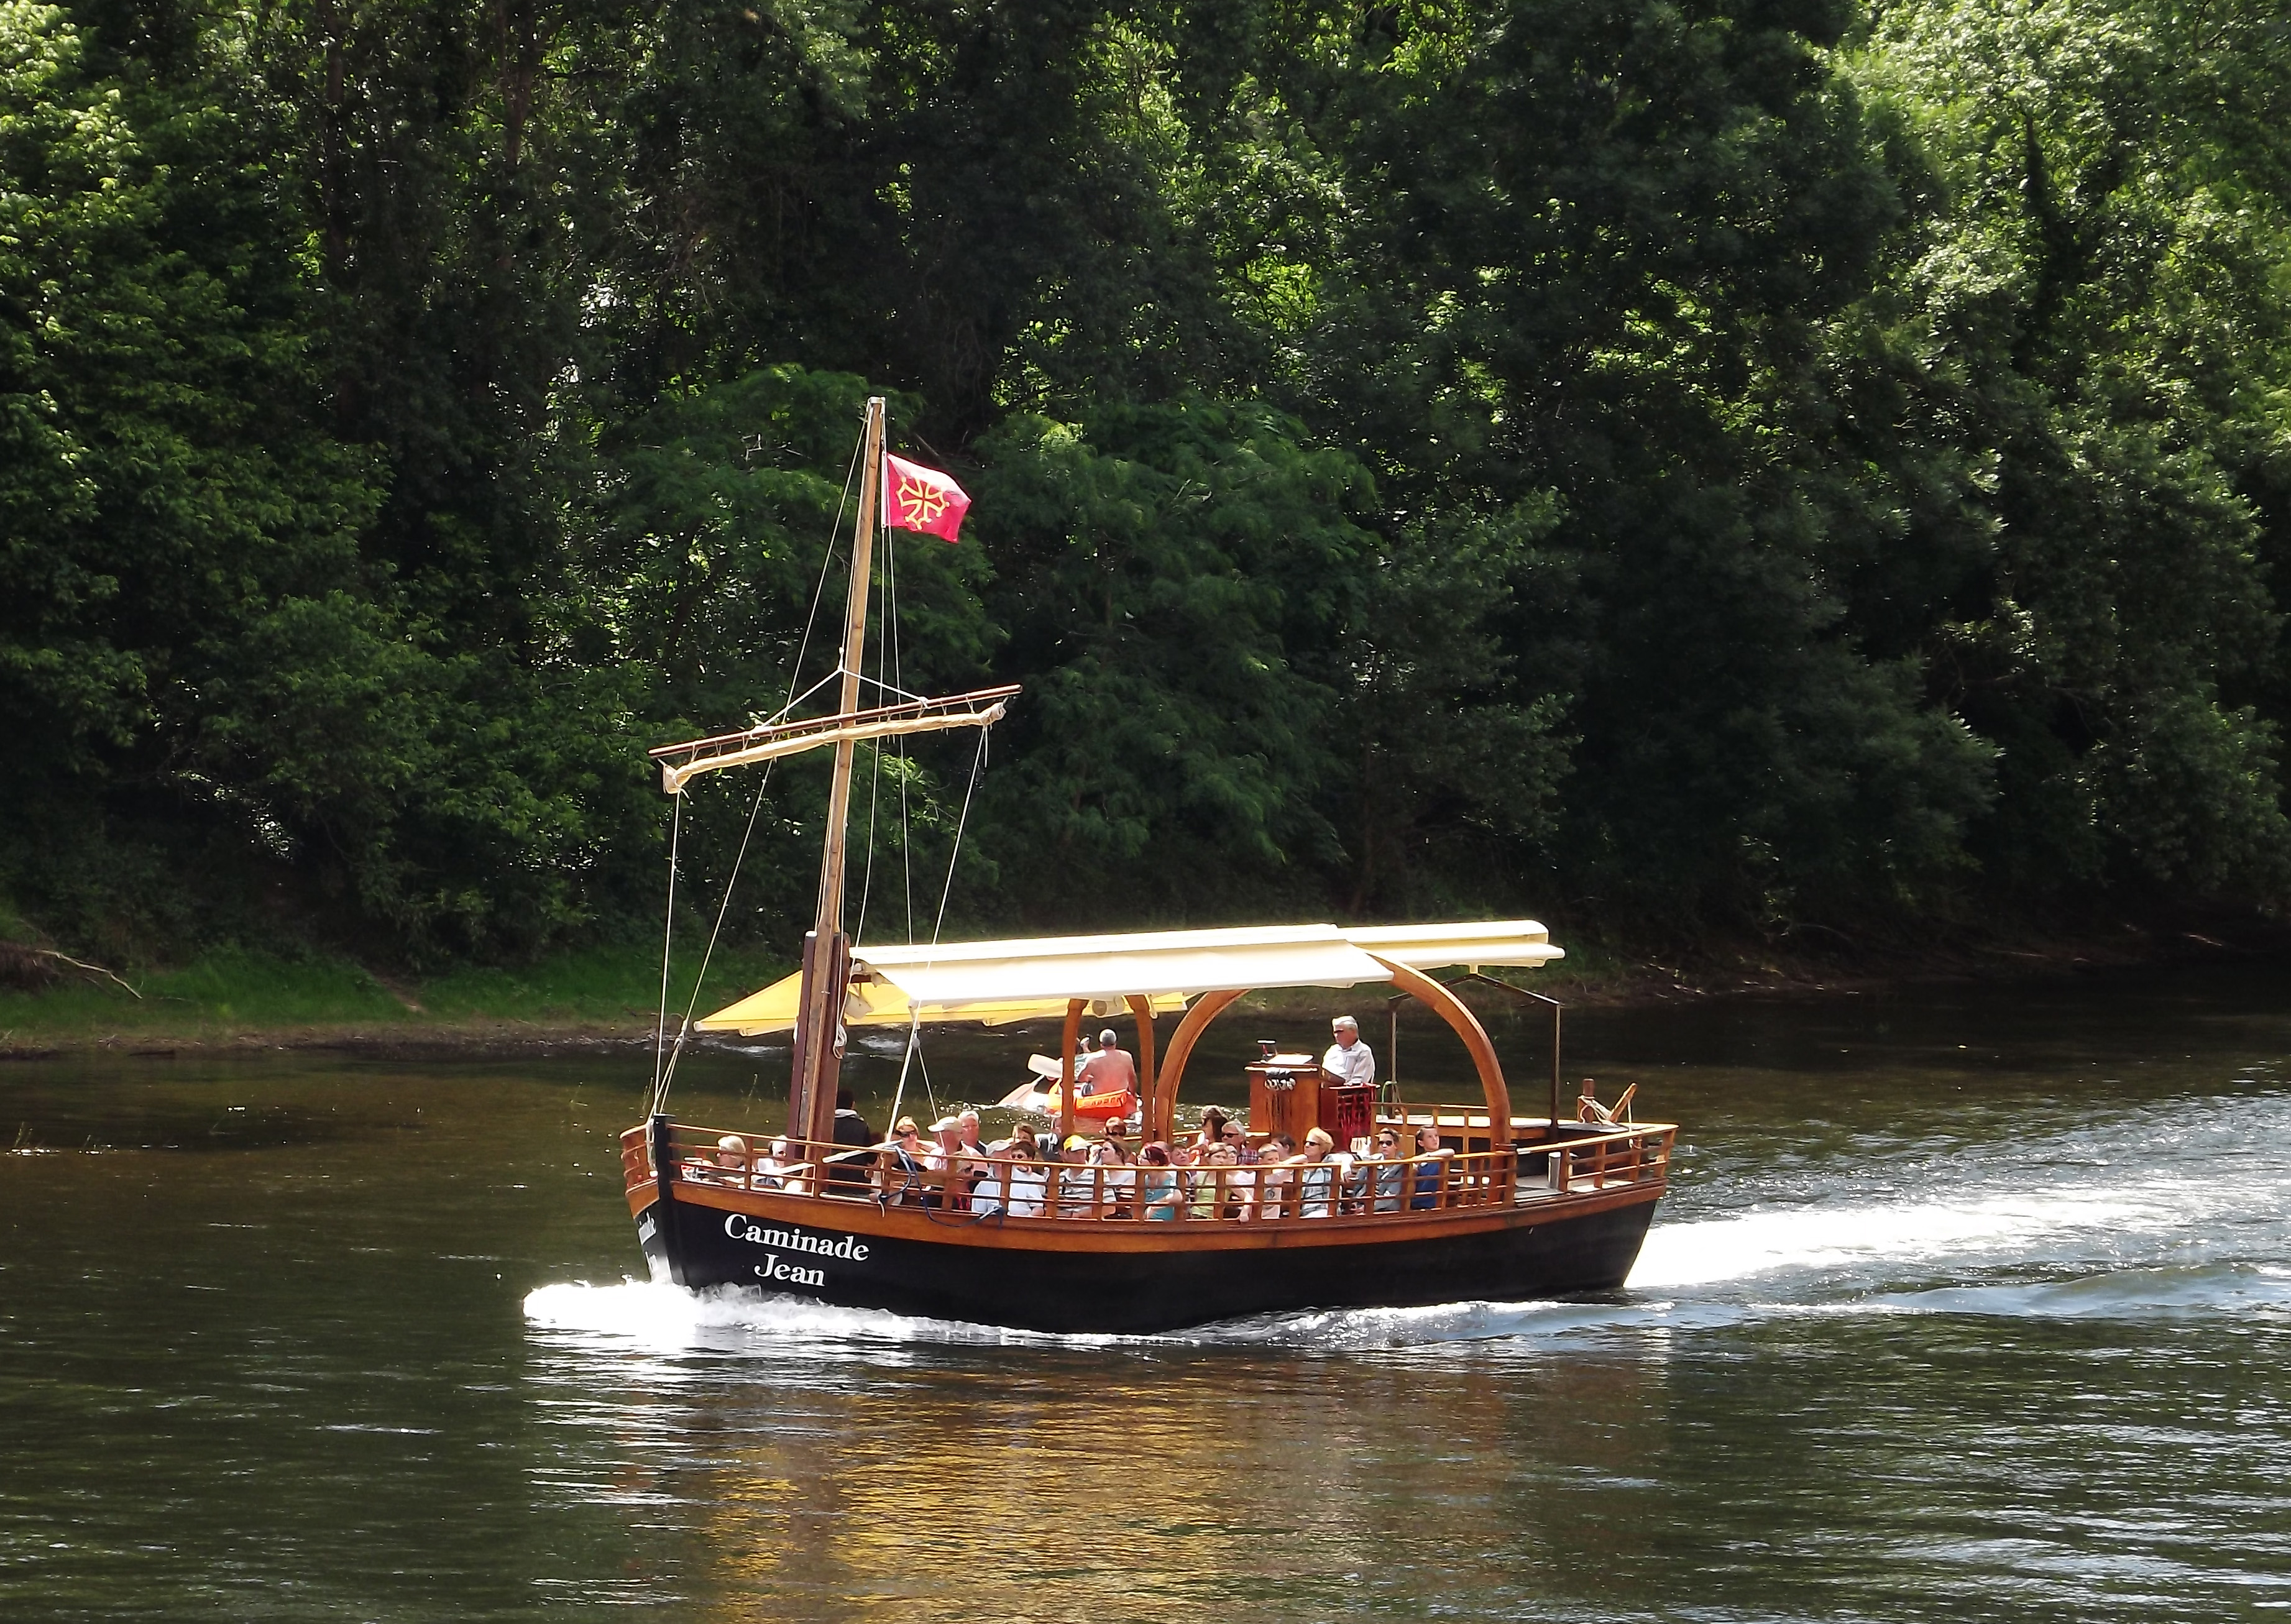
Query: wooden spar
[[981, 708], [1143, 1008], [1074, 1007], [818, 1061]]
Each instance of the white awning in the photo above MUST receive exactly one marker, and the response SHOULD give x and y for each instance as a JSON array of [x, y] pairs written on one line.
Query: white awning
[[1031, 978], [1429, 947]]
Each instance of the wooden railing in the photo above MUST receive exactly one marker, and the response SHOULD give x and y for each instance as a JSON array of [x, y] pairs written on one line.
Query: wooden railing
[[987, 1185]]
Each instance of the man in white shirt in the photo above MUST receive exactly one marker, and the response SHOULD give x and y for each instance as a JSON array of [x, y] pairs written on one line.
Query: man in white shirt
[[1348, 1060]]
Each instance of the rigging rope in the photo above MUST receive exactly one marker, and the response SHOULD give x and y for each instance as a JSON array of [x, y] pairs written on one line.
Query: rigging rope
[[875, 762], [915, 1021], [664, 1065], [683, 1031], [898, 671], [667, 942]]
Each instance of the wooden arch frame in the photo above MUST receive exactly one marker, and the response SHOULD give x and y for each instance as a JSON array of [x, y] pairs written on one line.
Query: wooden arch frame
[[1161, 1092], [1139, 1007]]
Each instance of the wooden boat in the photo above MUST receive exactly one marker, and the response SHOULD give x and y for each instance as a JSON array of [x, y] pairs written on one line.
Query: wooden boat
[[1507, 1207]]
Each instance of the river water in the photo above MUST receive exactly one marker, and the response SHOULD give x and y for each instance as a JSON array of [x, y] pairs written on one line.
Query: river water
[[1965, 1304]]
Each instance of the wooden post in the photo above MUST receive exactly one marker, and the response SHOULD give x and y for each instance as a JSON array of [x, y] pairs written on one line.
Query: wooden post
[[1143, 1008], [818, 1059], [1074, 1007], [1555, 1068]]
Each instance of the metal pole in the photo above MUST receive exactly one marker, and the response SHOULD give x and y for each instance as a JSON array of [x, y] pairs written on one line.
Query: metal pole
[[1474, 974], [1555, 1068]]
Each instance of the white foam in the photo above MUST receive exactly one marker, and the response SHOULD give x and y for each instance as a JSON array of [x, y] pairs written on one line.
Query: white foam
[[1818, 1237], [658, 1317], [2117, 1194]]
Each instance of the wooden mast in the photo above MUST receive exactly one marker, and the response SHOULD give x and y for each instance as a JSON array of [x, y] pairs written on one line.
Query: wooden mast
[[826, 951]]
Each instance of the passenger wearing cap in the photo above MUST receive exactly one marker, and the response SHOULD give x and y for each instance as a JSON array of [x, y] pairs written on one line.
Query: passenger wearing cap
[[944, 1184], [1078, 1183], [779, 1169]]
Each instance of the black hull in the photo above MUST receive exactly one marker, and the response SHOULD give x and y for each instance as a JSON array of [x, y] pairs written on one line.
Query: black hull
[[990, 1272]]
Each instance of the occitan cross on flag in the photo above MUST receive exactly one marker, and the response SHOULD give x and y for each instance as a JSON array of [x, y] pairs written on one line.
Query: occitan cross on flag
[[922, 499]]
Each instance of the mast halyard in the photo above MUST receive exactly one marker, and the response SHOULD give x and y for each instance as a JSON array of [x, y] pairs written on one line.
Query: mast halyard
[[818, 1059], [818, 1056]]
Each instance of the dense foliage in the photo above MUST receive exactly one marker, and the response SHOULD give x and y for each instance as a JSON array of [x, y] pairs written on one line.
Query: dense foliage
[[1712, 467]]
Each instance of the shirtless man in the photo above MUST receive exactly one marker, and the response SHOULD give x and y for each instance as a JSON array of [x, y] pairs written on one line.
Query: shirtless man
[[1110, 1071]]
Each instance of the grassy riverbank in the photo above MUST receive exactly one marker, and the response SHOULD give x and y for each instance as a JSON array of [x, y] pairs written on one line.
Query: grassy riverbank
[[610, 995], [229, 998]]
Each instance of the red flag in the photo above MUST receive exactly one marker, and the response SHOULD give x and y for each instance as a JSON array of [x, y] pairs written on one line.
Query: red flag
[[922, 499]]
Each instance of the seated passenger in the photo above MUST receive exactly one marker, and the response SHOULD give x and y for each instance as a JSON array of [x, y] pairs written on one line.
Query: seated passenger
[[1432, 1164], [899, 1165], [1077, 1184], [971, 1159], [1388, 1174], [1317, 1176], [1276, 1174], [1218, 1188], [771, 1167], [728, 1167], [1119, 1181], [1029, 1176], [986, 1198], [1237, 1135], [1160, 1197]]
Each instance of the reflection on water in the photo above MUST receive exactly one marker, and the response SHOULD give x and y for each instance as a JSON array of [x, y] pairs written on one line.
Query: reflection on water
[[1961, 1305]]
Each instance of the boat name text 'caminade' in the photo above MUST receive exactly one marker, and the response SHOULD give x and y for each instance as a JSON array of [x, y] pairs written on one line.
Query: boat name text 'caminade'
[[795, 1239]]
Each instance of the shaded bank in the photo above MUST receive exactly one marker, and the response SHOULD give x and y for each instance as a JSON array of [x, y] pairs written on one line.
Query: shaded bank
[[608, 1000]]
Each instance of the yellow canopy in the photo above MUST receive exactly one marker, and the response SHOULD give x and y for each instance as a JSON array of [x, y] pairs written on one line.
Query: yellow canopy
[[996, 983]]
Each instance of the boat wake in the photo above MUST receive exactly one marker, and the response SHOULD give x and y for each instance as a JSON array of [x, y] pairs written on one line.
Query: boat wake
[[2119, 1219]]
